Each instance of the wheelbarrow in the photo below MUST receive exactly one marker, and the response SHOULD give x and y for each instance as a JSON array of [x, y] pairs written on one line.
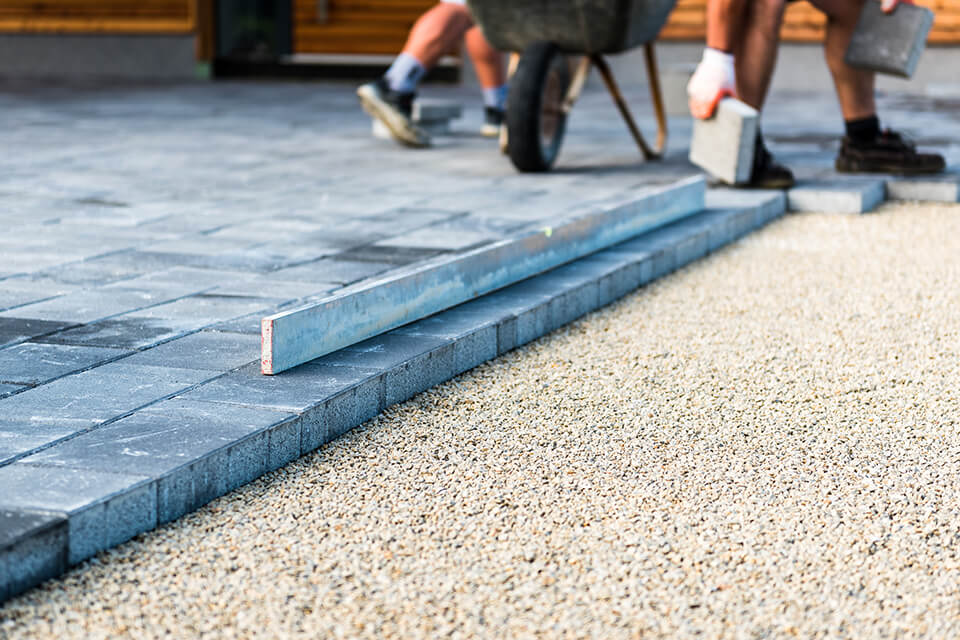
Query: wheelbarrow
[[558, 42]]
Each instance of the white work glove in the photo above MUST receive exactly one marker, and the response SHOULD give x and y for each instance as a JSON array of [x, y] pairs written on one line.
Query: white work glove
[[712, 81]]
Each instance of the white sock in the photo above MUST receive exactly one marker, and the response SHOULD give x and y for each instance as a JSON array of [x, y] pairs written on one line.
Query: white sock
[[495, 97], [404, 74]]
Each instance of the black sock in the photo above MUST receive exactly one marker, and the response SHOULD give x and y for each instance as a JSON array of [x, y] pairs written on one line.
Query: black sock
[[863, 129]]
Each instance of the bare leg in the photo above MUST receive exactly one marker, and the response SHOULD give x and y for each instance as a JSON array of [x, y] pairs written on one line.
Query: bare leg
[[756, 51], [487, 61], [437, 32], [854, 86], [725, 20]]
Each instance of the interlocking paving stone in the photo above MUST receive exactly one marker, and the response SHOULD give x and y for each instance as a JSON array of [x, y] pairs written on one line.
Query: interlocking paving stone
[[206, 350], [16, 292], [103, 509], [86, 399], [19, 438], [124, 332], [7, 389], [34, 363], [334, 270], [195, 451], [837, 196], [14, 330], [33, 547], [97, 304]]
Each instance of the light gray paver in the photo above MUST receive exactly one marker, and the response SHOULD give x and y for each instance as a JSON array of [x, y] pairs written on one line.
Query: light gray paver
[[840, 196], [205, 350], [724, 144], [33, 363]]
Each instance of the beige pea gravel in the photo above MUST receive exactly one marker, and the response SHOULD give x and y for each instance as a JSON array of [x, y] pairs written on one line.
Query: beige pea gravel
[[765, 444]]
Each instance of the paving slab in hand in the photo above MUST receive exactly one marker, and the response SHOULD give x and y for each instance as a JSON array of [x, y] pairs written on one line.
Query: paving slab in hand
[[32, 363], [195, 451], [17, 329], [98, 395], [205, 350], [103, 509]]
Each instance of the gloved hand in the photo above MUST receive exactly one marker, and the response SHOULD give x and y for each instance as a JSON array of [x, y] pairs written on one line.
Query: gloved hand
[[888, 6], [712, 81]]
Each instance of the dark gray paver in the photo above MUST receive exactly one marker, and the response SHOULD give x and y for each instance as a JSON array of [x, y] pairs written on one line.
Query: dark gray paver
[[340, 271], [32, 363], [195, 451], [33, 547], [206, 350], [7, 389], [104, 509], [14, 330], [125, 332], [86, 399]]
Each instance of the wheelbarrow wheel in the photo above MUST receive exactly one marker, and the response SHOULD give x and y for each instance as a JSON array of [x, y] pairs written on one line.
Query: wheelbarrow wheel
[[536, 120]]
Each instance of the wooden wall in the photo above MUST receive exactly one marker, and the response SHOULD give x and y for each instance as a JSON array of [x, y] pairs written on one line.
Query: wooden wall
[[805, 24], [98, 16], [354, 26]]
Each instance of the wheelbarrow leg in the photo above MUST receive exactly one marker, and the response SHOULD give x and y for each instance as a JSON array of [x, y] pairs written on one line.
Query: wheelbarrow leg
[[511, 69], [649, 153], [576, 85]]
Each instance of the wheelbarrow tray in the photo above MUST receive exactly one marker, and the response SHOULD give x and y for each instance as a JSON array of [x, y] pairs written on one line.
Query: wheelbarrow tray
[[575, 26]]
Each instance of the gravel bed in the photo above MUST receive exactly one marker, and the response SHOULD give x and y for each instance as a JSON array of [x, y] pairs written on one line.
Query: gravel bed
[[766, 443]]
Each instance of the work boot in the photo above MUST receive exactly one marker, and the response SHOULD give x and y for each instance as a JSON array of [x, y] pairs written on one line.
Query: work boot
[[394, 110], [768, 173], [889, 152], [492, 121]]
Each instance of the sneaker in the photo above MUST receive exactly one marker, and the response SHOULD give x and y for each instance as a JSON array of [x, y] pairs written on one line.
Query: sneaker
[[887, 153], [492, 121], [394, 110], [768, 173]]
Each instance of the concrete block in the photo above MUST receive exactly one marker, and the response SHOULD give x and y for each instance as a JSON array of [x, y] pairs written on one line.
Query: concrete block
[[724, 145], [205, 350], [103, 509], [32, 363], [299, 389], [33, 548], [193, 451], [96, 396], [674, 79], [14, 330], [342, 412], [938, 188], [837, 196], [433, 116], [892, 43]]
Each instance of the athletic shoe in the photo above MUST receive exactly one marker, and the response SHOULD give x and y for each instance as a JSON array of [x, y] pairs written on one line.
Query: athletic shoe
[[768, 173], [394, 110], [889, 152], [492, 121]]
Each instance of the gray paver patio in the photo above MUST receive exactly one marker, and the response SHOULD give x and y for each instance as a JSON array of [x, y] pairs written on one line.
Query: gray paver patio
[[147, 230]]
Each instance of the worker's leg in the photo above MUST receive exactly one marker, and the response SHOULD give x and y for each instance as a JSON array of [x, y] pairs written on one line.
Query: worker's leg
[[756, 51], [437, 32], [488, 63], [865, 148], [854, 86], [390, 99]]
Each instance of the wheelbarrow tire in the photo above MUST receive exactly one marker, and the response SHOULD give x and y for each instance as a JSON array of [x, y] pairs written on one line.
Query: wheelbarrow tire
[[535, 118]]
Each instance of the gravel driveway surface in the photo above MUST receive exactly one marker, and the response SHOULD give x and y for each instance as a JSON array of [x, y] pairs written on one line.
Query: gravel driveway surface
[[766, 443]]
